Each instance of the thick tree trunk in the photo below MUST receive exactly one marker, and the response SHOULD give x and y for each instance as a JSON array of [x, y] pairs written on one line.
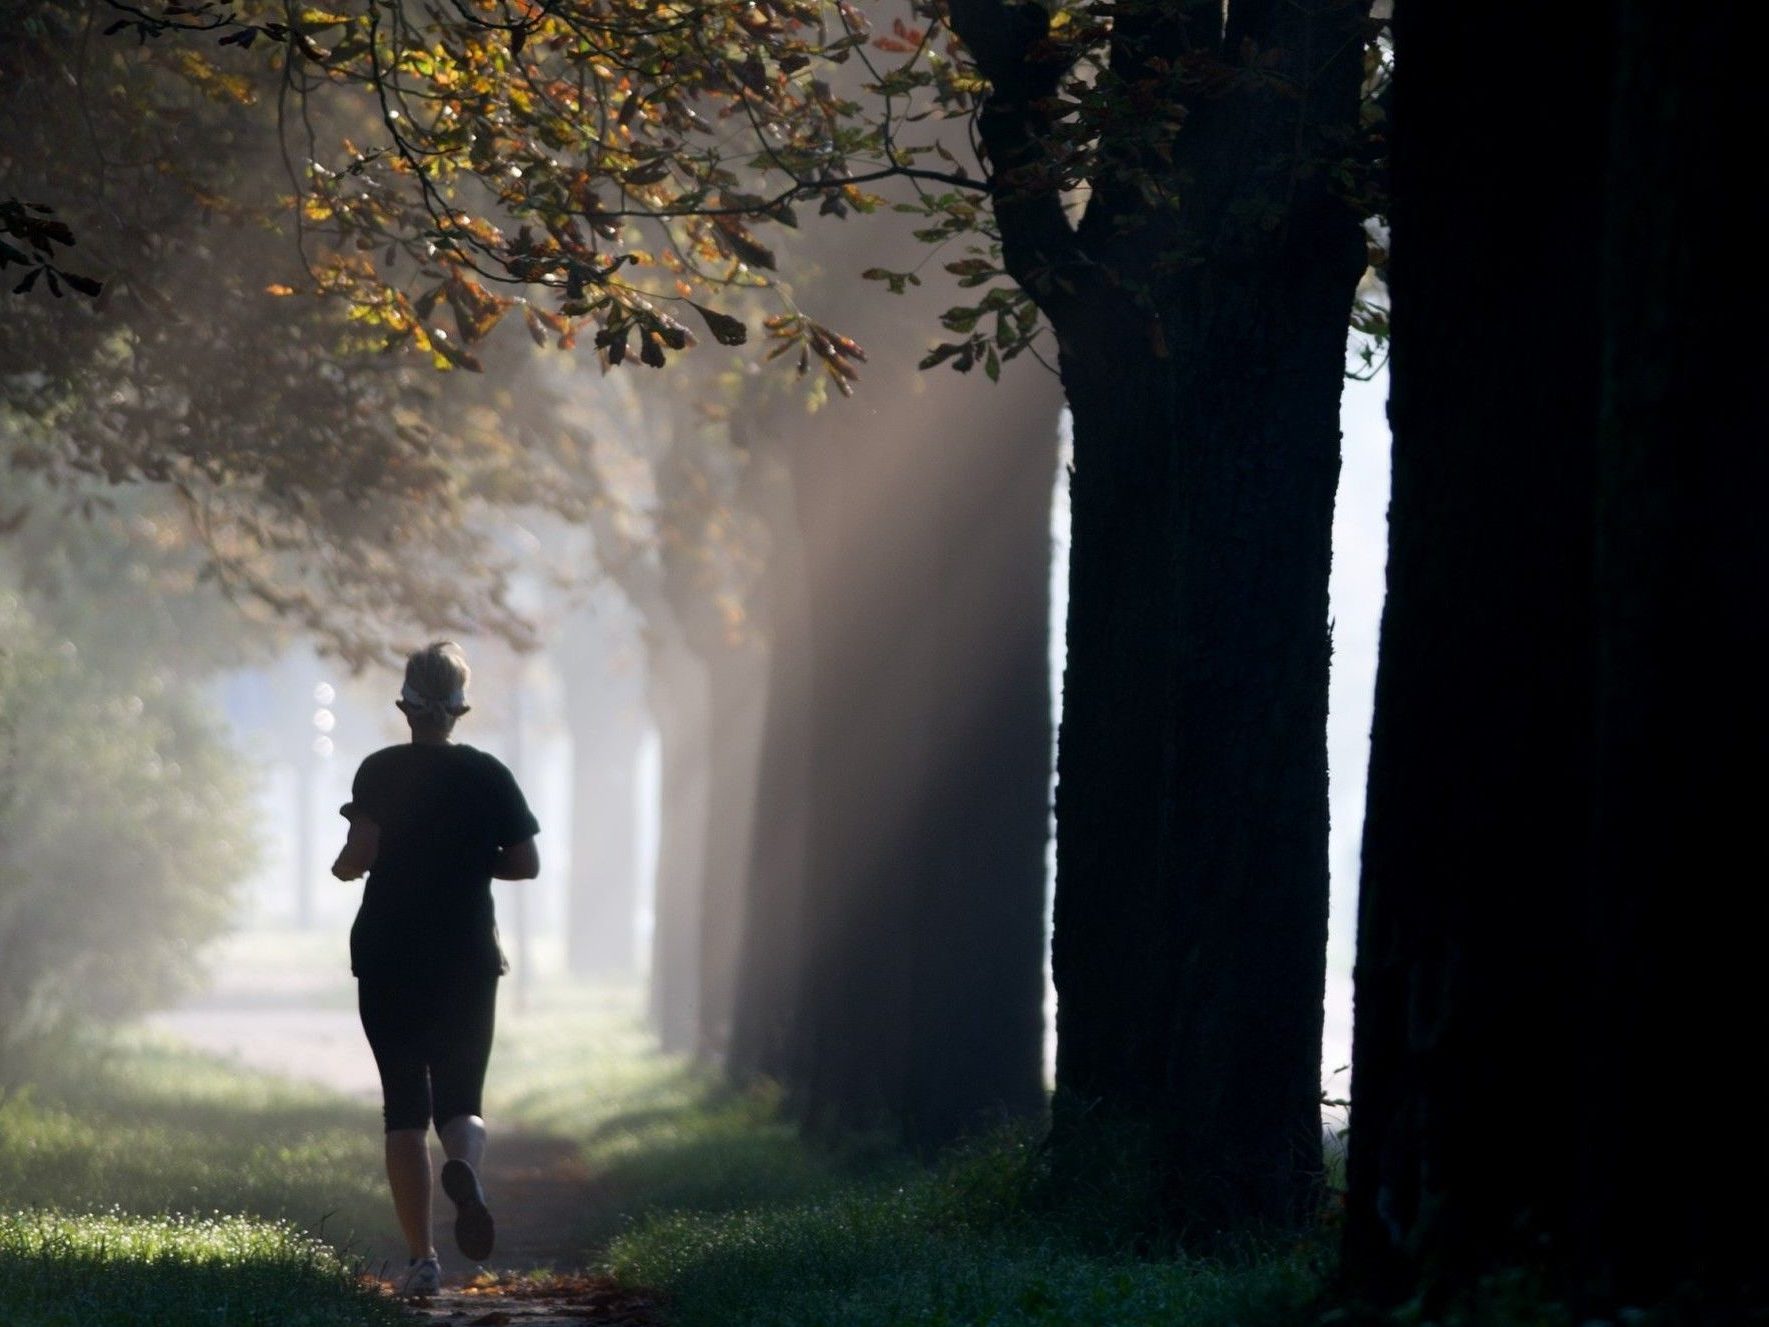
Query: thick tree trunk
[[1674, 1014], [736, 677], [1190, 937], [1200, 307], [772, 948], [978, 982], [680, 710], [869, 569], [1477, 833], [929, 562]]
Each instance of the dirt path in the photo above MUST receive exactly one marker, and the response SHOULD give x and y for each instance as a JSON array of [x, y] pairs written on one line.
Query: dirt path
[[548, 1301], [538, 1186]]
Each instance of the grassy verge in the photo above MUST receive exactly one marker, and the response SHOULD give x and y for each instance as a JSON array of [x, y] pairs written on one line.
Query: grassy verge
[[713, 1199], [958, 1245], [134, 1125], [700, 1192], [97, 1270], [660, 1136], [142, 1183]]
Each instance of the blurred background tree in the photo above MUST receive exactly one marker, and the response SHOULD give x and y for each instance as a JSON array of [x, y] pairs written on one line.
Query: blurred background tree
[[124, 828]]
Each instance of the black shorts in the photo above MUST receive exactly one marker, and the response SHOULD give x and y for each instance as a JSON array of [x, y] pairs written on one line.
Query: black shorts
[[431, 1038]]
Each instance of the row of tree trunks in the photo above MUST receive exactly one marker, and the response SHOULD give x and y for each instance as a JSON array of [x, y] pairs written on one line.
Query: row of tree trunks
[[1556, 1013], [770, 945], [929, 759]]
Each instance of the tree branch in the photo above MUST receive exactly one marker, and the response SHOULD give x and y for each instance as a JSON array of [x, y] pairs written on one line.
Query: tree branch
[[1009, 40]]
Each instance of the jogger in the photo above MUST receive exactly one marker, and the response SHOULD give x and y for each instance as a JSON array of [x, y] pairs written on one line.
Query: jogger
[[433, 823]]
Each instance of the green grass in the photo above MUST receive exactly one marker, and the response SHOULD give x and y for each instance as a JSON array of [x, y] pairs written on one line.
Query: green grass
[[660, 1135], [132, 1124], [958, 1245], [703, 1193], [96, 1270], [712, 1198]]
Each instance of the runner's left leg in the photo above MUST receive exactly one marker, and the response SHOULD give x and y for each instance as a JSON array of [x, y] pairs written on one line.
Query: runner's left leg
[[408, 1175]]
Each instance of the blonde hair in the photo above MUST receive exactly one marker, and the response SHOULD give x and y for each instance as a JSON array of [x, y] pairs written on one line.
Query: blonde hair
[[436, 679]]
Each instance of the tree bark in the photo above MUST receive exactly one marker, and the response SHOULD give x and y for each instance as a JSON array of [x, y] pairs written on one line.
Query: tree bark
[[772, 947], [1191, 909], [1202, 344], [930, 768], [1673, 1001], [1476, 834]]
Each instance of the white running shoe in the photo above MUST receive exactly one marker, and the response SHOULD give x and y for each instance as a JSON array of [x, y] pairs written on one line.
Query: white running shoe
[[423, 1276]]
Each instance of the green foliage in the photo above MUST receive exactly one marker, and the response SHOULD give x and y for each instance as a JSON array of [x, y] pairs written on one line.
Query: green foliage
[[98, 1270], [121, 815]]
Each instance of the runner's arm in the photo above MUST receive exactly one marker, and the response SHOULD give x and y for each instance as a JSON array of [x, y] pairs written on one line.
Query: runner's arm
[[360, 849], [518, 861]]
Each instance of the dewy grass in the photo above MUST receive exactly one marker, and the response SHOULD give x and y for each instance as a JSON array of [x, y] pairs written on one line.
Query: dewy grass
[[707, 1195], [957, 1245], [134, 1125], [714, 1199], [660, 1135], [94, 1270]]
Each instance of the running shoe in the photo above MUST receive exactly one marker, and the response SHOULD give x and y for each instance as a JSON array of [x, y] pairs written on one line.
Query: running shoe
[[474, 1232], [423, 1276]]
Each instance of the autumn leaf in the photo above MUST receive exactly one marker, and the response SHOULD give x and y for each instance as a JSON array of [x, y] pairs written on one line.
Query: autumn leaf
[[726, 330]]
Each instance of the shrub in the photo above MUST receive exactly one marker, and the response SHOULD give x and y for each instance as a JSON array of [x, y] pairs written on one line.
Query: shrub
[[121, 834]]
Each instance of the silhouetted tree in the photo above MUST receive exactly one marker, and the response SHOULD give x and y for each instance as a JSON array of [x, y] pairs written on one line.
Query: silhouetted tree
[[1552, 988], [1200, 306], [920, 1004]]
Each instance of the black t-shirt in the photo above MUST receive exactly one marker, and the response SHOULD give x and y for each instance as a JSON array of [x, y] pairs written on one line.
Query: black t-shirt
[[444, 813]]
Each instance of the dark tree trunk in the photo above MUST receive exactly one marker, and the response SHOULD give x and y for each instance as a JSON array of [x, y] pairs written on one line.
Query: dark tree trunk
[[771, 947], [978, 982], [930, 766], [869, 570], [1674, 1017], [736, 677], [603, 899], [1476, 838], [680, 710], [1202, 347], [1191, 910]]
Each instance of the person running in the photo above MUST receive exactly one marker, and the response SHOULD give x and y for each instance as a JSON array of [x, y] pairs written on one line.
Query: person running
[[433, 823]]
